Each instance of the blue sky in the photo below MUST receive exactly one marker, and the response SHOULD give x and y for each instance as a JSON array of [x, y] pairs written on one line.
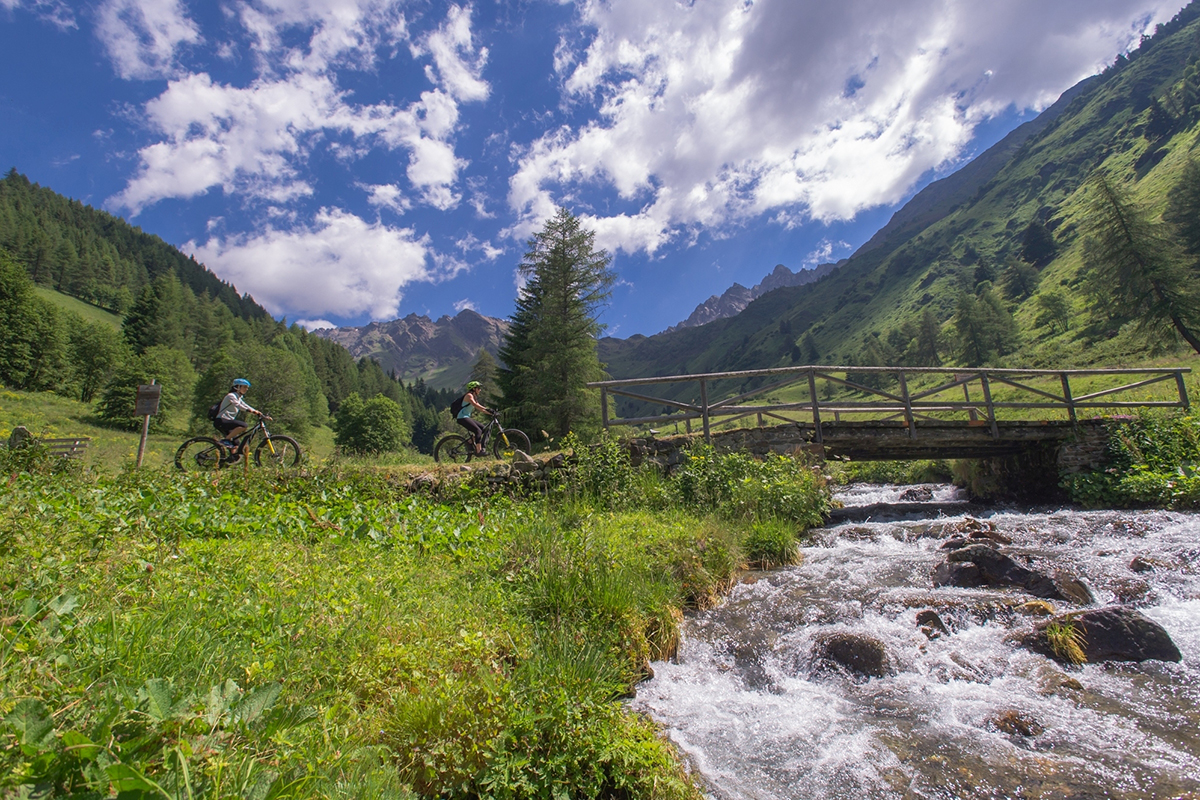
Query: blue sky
[[349, 160]]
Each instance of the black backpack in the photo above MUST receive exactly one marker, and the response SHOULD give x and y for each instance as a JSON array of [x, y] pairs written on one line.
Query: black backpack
[[214, 410], [456, 405]]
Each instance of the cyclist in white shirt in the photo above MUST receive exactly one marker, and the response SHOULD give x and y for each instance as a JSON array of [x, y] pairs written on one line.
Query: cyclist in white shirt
[[227, 421]]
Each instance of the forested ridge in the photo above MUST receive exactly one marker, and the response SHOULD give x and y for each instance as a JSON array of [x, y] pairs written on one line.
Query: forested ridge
[[180, 325], [95, 256]]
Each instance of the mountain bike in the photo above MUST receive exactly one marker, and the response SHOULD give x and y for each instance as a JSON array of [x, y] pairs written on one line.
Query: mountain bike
[[207, 453], [459, 449]]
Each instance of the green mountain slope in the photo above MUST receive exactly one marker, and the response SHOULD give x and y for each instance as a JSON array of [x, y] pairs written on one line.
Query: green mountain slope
[[92, 255], [1019, 202]]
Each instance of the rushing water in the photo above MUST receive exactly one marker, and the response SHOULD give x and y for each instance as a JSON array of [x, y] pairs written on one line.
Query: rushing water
[[746, 705]]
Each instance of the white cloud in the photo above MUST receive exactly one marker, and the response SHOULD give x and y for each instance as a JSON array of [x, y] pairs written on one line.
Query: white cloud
[[456, 62], [824, 252], [709, 113], [56, 12], [462, 304], [387, 195], [471, 242], [315, 324], [340, 265], [255, 140], [143, 37]]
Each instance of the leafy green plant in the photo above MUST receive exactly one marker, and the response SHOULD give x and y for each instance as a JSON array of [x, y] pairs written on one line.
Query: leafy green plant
[[1151, 463]]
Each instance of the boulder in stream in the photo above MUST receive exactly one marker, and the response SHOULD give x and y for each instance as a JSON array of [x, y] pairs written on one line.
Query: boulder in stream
[[931, 624], [916, 494], [1114, 633], [859, 653], [1014, 722], [964, 575], [997, 569]]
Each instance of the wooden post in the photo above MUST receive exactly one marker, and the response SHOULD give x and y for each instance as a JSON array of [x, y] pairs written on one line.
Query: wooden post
[[816, 408], [147, 406], [1066, 387], [971, 415], [991, 409], [908, 413], [604, 408], [704, 410], [1183, 397]]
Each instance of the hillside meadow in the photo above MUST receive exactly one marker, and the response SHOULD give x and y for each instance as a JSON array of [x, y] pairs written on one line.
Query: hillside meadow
[[323, 633]]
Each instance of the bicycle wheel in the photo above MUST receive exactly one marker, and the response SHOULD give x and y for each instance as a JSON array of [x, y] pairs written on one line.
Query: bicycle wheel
[[454, 449], [200, 454], [516, 441], [278, 451]]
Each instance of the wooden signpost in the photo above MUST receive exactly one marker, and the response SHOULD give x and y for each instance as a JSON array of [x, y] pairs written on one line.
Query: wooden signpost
[[147, 406]]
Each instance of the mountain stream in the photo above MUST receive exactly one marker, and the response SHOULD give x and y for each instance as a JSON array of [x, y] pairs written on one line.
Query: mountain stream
[[968, 714]]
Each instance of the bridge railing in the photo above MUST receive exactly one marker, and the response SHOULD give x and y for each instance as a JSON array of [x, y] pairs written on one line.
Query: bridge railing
[[907, 395]]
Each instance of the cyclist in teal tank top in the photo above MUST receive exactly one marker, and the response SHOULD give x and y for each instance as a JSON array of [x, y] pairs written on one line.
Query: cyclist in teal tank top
[[470, 402]]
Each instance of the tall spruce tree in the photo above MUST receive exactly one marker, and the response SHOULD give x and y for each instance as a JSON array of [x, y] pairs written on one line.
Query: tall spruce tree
[[1137, 267], [550, 350]]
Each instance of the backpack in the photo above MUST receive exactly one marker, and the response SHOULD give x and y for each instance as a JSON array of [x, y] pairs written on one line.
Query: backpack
[[214, 410], [456, 405]]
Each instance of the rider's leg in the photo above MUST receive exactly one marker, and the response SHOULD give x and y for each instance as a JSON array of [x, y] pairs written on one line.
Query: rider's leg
[[230, 429], [476, 431]]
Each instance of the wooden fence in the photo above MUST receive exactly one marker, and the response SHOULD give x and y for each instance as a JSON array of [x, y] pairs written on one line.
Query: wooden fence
[[889, 394]]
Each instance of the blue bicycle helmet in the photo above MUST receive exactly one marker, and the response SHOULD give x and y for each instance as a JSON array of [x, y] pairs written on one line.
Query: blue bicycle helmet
[[241, 382]]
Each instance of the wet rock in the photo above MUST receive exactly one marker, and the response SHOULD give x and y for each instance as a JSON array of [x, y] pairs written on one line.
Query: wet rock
[[1115, 633], [1075, 589], [931, 624], [1133, 592], [1015, 723], [1053, 681], [957, 543], [1141, 564], [1036, 608], [998, 569], [964, 575], [857, 652], [916, 494], [991, 535]]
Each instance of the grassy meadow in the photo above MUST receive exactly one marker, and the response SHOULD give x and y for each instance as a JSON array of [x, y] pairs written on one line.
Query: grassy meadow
[[323, 633]]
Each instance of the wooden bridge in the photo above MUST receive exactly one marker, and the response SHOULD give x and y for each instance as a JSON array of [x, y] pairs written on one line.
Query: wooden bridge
[[876, 413]]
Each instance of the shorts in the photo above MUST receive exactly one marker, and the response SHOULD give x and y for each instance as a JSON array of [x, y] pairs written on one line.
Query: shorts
[[227, 425]]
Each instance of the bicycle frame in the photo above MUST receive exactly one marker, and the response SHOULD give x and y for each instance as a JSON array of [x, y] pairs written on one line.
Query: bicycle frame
[[246, 437]]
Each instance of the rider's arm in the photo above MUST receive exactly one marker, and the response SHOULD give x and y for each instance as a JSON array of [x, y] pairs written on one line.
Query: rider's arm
[[243, 405], [477, 404]]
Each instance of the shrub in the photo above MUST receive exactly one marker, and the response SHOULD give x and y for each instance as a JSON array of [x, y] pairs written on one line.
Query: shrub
[[374, 426], [1153, 461]]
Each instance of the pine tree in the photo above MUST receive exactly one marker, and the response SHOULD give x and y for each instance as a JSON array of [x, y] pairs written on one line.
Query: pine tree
[[1137, 267], [485, 370], [1183, 208], [927, 344], [550, 350]]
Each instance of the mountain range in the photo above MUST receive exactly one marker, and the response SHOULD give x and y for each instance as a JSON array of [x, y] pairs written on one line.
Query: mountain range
[[415, 347]]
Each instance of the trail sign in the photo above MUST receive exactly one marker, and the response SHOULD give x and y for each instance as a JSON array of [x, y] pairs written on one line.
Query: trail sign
[[147, 399], [146, 406]]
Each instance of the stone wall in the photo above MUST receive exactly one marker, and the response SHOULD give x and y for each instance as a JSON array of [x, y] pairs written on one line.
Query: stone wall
[[1089, 449]]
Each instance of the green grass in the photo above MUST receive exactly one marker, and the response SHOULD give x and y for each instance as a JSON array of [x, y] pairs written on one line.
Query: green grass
[[321, 633], [48, 415], [76, 306]]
